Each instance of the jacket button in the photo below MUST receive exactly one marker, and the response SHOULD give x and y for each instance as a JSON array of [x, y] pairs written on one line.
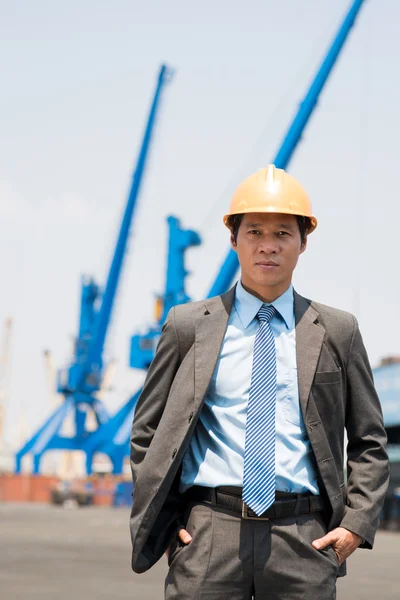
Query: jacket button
[[190, 417], [174, 453]]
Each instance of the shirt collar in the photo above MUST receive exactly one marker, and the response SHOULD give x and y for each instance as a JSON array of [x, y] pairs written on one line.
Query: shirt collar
[[247, 305]]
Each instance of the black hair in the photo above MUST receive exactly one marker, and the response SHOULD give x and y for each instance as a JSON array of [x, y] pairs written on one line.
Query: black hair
[[235, 220]]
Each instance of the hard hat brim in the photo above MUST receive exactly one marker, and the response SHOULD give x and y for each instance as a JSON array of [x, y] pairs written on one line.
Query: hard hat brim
[[313, 221]]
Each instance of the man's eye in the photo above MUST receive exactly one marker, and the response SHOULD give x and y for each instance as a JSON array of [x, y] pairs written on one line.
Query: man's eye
[[283, 233], [254, 231]]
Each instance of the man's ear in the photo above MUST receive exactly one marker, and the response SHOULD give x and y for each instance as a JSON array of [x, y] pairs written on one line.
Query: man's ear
[[233, 243], [304, 245]]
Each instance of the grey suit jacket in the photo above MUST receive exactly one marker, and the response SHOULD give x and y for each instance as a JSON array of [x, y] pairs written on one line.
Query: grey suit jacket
[[336, 393]]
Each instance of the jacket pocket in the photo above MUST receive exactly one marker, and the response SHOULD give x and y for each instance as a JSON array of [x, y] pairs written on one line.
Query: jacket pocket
[[328, 376]]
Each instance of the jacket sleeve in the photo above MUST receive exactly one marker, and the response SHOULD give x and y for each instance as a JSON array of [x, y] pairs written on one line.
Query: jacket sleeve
[[367, 460], [152, 400]]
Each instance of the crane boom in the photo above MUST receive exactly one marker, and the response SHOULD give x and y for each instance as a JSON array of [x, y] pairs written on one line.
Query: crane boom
[[94, 357], [227, 272], [85, 377]]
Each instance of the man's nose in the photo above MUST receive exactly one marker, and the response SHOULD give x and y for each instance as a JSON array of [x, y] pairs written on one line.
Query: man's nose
[[269, 245]]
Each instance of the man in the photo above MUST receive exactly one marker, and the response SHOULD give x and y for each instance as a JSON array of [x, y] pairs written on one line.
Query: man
[[237, 441]]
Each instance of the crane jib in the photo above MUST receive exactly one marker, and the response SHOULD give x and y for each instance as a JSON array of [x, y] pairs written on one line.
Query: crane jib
[[228, 270], [95, 351]]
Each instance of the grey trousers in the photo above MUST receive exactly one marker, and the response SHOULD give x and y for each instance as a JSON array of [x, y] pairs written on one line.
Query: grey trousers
[[230, 558]]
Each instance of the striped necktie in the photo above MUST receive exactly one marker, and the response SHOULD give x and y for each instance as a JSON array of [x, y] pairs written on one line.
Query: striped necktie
[[259, 455]]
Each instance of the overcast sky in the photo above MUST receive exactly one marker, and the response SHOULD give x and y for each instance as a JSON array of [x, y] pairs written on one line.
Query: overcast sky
[[77, 80]]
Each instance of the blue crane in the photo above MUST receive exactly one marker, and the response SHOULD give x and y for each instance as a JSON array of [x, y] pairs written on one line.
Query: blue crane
[[228, 270], [180, 240], [80, 382], [112, 437], [143, 347]]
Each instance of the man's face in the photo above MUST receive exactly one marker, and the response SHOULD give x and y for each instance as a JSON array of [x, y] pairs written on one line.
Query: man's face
[[268, 246]]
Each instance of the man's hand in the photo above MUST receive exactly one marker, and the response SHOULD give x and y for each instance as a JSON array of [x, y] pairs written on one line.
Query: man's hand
[[343, 541], [184, 536]]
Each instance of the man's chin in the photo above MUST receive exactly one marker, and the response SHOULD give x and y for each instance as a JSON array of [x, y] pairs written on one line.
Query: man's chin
[[268, 282]]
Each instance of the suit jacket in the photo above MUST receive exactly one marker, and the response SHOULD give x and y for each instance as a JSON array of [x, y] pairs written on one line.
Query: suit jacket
[[336, 393]]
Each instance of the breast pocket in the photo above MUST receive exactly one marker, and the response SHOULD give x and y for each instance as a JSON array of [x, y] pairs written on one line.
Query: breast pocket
[[327, 391], [328, 376]]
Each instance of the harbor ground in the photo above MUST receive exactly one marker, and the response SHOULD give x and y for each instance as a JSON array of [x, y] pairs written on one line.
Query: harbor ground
[[50, 553]]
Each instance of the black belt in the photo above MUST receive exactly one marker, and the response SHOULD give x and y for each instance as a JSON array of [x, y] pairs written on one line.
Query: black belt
[[285, 505]]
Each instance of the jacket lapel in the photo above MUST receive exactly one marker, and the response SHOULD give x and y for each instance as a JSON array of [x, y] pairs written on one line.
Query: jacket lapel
[[309, 337], [210, 333]]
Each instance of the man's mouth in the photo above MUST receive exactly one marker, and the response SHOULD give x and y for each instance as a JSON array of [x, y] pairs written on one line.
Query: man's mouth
[[267, 264]]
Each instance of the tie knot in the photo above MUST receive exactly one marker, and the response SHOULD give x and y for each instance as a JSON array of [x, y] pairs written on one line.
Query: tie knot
[[266, 313]]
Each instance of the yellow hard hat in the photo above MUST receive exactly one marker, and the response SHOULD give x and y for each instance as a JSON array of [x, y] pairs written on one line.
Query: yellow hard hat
[[272, 190]]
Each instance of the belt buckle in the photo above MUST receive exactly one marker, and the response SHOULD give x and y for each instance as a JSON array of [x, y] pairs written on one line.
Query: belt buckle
[[246, 516]]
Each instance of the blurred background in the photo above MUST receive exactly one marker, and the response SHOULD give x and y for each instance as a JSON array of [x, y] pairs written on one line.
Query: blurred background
[[125, 129]]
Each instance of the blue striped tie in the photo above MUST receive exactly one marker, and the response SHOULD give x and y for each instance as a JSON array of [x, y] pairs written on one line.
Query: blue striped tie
[[259, 455]]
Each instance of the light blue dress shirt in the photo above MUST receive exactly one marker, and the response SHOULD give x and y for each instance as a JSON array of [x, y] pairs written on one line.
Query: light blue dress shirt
[[215, 454]]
